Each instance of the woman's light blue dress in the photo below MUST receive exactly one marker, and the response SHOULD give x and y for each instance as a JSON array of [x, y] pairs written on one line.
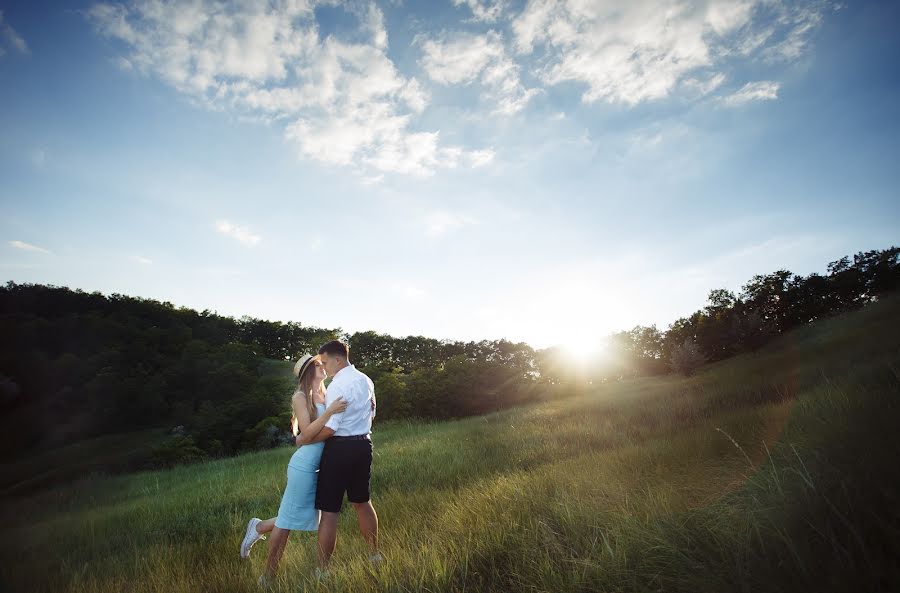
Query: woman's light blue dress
[[298, 503]]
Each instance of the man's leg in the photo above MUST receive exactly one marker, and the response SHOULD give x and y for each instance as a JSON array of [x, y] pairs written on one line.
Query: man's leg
[[368, 524], [328, 524]]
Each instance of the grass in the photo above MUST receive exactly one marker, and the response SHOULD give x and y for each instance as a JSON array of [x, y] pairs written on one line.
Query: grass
[[766, 472], [101, 455]]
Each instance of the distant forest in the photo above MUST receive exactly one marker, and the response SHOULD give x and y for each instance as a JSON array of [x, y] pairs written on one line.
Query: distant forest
[[76, 365]]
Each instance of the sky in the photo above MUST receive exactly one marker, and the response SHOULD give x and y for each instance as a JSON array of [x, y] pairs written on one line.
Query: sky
[[546, 171]]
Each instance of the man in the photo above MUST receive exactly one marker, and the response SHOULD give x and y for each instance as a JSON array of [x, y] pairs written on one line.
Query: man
[[346, 465]]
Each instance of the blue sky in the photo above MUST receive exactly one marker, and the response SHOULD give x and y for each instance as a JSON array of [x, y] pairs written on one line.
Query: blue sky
[[545, 171]]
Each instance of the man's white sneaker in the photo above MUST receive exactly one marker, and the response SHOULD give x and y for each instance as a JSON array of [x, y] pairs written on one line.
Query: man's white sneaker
[[376, 559], [251, 537], [264, 582], [321, 574]]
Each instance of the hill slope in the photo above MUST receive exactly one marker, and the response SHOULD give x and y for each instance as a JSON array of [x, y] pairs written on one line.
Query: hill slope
[[767, 472]]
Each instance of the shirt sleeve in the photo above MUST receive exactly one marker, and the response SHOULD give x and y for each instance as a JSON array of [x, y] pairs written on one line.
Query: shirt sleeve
[[334, 391]]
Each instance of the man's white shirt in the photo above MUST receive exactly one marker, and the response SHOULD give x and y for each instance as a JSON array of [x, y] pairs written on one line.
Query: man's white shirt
[[359, 393]]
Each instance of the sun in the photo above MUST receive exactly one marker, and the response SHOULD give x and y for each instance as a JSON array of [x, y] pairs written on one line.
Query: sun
[[584, 349]]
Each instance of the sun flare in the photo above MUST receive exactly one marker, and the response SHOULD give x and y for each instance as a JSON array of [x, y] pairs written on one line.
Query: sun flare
[[585, 349]]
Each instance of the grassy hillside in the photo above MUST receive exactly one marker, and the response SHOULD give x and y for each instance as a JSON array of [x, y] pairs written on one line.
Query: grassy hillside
[[767, 472], [105, 454]]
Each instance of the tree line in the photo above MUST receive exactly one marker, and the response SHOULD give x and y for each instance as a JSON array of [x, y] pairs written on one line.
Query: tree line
[[75, 364], [766, 306]]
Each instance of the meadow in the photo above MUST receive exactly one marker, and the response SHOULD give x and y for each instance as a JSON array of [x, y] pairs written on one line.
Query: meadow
[[771, 471]]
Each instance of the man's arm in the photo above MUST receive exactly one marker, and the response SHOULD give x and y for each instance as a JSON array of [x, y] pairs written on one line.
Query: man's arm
[[325, 433]]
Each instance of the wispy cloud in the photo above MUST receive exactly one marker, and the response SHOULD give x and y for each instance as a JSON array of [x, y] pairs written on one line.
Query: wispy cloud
[[28, 247], [239, 233], [341, 103], [463, 58], [440, 222], [484, 10], [409, 291], [480, 158], [647, 50], [141, 260], [650, 138], [12, 38], [341, 100], [713, 271], [764, 90]]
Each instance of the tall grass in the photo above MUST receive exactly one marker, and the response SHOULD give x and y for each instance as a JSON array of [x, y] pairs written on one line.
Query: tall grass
[[767, 472]]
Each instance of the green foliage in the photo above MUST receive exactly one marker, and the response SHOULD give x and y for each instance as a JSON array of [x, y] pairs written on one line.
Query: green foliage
[[77, 365], [176, 450], [392, 396]]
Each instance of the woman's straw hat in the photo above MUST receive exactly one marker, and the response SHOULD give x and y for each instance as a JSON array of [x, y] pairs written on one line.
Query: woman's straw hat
[[302, 365]]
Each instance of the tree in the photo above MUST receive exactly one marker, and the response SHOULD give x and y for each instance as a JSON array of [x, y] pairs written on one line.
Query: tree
[[391, 394], [767, 294], [687, 358]]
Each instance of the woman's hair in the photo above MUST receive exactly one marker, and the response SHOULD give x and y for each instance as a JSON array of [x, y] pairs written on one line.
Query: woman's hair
[[307, 387]]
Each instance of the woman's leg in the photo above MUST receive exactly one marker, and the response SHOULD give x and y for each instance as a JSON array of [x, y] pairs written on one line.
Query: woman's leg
[[277, 542], [265, 526]]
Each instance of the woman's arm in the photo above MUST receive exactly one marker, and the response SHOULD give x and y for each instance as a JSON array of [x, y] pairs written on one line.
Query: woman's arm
[[310, 430], [324, 434]]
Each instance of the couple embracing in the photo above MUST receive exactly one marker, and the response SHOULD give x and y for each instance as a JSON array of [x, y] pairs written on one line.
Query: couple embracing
[[332, 431]]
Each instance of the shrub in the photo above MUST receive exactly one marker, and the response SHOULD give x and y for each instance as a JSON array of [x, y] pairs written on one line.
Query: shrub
[[686, 357], [176, 450]]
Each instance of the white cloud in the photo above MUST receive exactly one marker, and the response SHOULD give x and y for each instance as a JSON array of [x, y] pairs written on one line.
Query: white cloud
[[12, 38], [763, 90], [480, 158], [408, 291], [725, 17], [704, 86], [463, 58], [28, 247], [440, 222], [647, 140], [341, 102], [646, 50], [141, 260], [797, 25], [239, 233], [123, 64], [372, 179], [484, 10]]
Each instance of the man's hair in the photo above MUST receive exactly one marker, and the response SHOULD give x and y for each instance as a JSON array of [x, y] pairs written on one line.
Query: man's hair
[[335, 348]]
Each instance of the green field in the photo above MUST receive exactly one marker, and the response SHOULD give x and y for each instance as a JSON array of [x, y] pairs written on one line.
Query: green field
[[775, 471]]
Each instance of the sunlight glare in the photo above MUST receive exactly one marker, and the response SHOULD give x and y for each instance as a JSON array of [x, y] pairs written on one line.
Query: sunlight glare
[[583, 349]]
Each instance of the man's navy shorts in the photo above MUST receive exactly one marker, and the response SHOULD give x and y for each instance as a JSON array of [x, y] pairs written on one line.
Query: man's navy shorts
[[346, 467]]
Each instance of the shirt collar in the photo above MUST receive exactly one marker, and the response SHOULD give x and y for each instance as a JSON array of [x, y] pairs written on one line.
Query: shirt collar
[[349, 366]]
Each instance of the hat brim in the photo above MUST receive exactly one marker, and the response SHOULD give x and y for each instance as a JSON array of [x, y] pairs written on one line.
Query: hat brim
[[305, 366]]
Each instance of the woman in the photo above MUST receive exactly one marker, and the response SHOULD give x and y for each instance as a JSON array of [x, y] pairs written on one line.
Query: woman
[[297, 510]]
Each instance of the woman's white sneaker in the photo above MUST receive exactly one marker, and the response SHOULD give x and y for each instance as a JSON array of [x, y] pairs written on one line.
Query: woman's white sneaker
[[251, 537]]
